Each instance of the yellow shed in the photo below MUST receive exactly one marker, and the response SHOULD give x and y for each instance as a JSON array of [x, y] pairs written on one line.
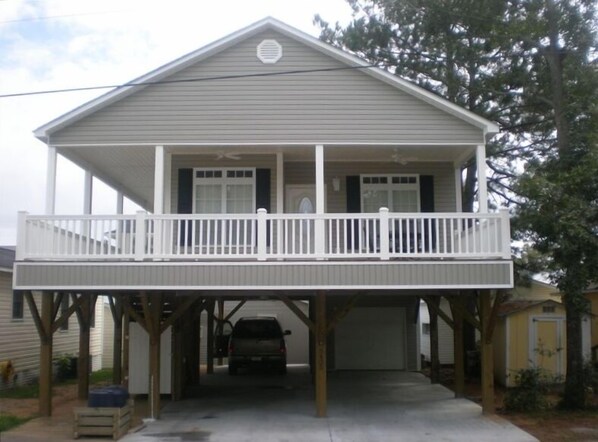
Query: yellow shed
[[529, 334], [592, 296]]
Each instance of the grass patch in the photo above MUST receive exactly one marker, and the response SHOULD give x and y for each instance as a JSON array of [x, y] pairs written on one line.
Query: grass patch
[[8, 421], [101, 376], [21, 392]]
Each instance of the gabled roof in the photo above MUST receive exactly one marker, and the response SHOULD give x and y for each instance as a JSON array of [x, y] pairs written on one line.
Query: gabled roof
[[489, 128]]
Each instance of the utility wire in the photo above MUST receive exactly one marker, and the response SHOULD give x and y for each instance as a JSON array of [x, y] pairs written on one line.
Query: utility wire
[[186, 80]]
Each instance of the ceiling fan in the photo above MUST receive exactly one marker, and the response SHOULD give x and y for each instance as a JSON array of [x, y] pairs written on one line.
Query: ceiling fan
[[397, 157], [227, 155]]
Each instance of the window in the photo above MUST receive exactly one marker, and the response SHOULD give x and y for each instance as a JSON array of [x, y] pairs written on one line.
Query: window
[[17, 305], [64, 306], [399, 193], [425, 328], [224, 191]]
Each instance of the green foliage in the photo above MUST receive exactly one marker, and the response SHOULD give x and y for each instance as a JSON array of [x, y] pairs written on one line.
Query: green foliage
[[66, 366], [529, 393], [21, 392], [8, 421], [101, 376]]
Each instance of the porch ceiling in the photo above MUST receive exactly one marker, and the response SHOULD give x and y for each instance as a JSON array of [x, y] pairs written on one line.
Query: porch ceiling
[[130, 169]]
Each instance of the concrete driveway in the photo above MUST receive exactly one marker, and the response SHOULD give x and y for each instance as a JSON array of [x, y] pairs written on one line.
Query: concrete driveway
[[362, 406]]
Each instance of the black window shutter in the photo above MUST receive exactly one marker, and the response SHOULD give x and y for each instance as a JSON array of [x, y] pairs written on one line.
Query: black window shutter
[[426, 202], [185, 201], [426, 193], [262, 194], [262, 189], [353, 188]]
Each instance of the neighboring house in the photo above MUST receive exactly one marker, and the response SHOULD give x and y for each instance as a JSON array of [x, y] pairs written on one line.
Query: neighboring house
[[20, 341], [530, 332], [272, 165], [107, 337]]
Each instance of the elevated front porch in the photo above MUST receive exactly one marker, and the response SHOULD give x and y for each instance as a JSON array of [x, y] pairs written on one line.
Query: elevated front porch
[[264, 251]]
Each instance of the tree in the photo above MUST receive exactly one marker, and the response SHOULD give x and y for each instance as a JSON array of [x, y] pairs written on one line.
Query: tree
[[560, 185], [447, 47], [531, 66]]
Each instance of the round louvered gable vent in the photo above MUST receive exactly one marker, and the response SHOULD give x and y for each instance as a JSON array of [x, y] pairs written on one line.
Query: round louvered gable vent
[[269, 51]]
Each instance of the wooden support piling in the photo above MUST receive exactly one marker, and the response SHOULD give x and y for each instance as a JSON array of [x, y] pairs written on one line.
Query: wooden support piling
[[487, 378], [210, 346], [320, 355], [45, 355], [459, 348]]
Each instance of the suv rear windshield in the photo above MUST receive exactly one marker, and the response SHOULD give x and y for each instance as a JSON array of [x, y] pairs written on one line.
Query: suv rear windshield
[[258, 329]]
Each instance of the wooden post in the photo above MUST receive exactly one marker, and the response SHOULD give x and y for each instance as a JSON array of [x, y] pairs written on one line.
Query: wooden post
[[116, 307], [487, 378], [83, 363], [320, 354], [125, 350], [220, 321], [154, 357], [177, 360], [434, 356], [45, 355], [459, 348], [210, 343]]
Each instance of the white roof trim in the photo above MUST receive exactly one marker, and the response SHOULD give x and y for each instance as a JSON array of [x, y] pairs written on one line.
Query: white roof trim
[[44, 132]]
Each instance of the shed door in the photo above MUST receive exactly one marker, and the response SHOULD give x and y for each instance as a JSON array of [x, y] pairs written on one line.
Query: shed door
[[371, 338], [547, 344]]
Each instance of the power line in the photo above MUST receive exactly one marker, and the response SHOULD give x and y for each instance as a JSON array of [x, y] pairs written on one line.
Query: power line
[[52, 17], [186, 80]]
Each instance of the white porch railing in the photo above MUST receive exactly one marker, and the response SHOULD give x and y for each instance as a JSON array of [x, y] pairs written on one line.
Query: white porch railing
[[263, 236]]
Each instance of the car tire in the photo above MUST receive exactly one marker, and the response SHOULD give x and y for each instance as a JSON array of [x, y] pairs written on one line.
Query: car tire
[[232, 369], [282, 369]]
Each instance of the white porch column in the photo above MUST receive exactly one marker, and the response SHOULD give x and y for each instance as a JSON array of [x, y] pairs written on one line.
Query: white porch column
[[319, 238], [319, 179], [482, 182], [120, 202], [87, 193], [159, 167], [458, 188], [279, 182], [51, 181], [167, 182], [159, 181]]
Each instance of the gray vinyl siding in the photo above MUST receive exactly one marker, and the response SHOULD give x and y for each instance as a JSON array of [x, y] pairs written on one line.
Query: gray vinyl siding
[[270, 275], [334, 106], [20, 340]]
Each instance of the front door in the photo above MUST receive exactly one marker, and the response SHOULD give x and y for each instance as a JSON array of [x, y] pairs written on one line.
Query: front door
[[300, 198]]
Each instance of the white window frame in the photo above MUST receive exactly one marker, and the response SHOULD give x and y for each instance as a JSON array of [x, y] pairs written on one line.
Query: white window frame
[[224, 180], [389, 186]]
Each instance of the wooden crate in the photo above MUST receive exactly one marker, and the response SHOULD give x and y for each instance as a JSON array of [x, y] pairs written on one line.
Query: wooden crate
[[103, 421]]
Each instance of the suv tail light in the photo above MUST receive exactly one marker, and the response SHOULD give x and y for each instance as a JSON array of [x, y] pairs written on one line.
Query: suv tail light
[[283, 347], [231, 349]]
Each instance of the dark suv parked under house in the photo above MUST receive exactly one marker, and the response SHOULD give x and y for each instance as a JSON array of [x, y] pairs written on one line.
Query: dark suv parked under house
[[257, 340]]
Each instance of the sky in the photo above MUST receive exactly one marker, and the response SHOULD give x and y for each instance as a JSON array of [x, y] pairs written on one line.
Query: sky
[[57, 44]]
